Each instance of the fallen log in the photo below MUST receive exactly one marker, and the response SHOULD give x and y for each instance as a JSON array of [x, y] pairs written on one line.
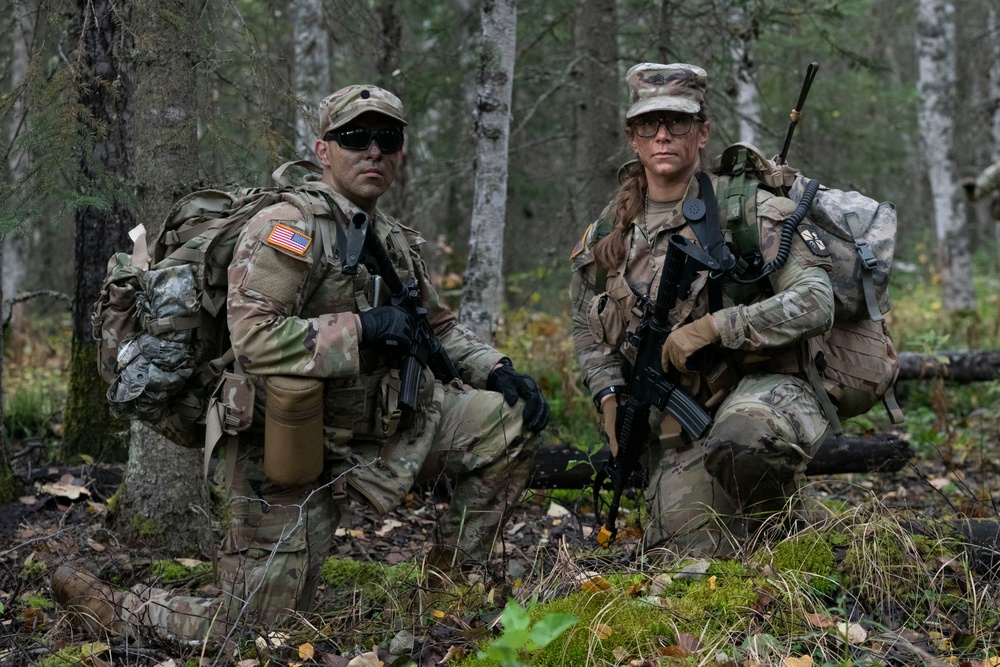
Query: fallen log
[[569, 468], [952, 366]]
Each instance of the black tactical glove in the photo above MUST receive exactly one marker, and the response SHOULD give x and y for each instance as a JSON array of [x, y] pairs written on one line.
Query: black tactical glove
[[513, 385], [388, 327]]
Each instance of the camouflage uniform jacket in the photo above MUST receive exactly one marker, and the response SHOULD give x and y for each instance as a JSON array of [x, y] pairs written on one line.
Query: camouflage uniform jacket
[[761, 325], [291, 311]]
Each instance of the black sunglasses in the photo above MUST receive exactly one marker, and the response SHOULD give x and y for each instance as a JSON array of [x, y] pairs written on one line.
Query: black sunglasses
[[359, 138]]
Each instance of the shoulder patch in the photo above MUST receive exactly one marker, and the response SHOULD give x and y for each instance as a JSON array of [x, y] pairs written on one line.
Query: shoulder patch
[[284, 236], [581, 244], [812, 239]]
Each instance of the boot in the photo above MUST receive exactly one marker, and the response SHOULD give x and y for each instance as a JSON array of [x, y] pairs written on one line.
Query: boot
[[91, 603]]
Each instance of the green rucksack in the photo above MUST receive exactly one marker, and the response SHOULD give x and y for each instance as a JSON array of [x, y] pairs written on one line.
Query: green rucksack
[[160, 320], [855, 364]]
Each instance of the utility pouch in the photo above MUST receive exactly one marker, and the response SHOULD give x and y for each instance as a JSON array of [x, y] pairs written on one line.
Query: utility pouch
[[293, 430], [720, 380]]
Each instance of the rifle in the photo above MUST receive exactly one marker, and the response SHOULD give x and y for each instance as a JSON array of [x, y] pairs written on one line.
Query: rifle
[[651, 384], [364, 246]]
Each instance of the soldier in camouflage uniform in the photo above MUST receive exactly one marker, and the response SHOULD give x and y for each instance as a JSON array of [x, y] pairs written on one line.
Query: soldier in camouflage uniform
[[703, 495], [986, 183], [292, 312]]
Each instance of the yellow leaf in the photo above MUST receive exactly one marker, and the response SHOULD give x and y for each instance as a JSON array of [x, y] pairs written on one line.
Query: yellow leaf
[[595, 585], [804, 661], [306, 651], [633, 590], [711, 582], [93, 649], [601, 630], [438, 613]]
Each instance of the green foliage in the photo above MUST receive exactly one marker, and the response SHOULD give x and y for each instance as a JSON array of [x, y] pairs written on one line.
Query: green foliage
[[61, 181], [33, 569], [37, 602], [167, 571], [521, 636], [28, 412]]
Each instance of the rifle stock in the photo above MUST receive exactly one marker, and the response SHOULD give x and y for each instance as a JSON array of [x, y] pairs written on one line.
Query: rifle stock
[[651, 385], [364, 246]]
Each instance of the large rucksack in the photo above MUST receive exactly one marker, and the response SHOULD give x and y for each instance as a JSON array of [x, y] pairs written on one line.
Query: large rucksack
[[855, 364], [160, 320]]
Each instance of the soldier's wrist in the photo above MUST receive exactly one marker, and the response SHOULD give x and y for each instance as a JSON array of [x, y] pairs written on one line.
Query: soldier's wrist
[[599, 397]]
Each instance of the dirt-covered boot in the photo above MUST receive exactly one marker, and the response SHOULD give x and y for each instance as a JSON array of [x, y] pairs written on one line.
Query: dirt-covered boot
[[90, 602]]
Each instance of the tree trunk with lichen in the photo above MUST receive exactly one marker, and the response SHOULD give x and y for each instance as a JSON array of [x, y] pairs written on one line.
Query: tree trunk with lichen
[[103, 85], [482, 295], [164, 500]]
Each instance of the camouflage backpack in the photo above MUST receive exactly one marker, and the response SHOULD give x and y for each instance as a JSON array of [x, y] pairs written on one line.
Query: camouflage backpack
[[160, 319], [855, 362]]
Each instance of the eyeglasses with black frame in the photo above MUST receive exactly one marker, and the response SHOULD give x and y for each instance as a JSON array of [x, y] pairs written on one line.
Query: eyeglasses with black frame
[[359, 138], [648, 126]]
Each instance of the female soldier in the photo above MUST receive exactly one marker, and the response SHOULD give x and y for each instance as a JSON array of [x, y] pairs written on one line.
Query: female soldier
[[767, 421]]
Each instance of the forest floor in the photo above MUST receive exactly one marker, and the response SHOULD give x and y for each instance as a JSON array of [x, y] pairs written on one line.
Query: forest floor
[[58, 519]]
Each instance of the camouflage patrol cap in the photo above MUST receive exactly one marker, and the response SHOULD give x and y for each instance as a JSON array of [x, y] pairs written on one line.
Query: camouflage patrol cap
[[655, 87], [348, 103]]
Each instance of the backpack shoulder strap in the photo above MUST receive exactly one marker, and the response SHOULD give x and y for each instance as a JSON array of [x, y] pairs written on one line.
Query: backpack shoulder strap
[[733, 191], [600, 229]]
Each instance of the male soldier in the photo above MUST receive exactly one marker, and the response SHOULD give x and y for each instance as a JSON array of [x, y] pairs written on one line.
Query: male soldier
[[293, 314], [987, 182]]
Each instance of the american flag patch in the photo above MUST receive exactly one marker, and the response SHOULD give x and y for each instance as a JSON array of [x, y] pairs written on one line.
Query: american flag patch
[[289, 239]]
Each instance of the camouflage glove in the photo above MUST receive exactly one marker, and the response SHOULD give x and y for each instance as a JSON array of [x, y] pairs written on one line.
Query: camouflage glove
[[683, 345], [513, 385], [388, 327]]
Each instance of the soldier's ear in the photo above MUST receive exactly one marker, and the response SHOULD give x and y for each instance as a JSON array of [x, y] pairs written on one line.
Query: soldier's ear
[[322, 149]]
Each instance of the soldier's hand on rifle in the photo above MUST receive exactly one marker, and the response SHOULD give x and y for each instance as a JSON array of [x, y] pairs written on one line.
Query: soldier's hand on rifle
[[682, 345], [387, 327], [513, 385]]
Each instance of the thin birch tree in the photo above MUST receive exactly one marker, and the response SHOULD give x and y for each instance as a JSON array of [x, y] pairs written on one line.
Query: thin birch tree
[[935, 47], [482, 295], [311, 69]]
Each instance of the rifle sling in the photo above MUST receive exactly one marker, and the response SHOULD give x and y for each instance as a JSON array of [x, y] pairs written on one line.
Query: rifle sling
[[709, 235]]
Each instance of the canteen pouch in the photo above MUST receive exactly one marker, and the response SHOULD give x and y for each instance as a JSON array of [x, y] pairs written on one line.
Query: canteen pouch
[[293, 430]]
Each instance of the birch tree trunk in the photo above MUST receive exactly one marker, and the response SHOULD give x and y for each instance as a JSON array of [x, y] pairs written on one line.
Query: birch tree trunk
[[747, 98], [311, 69], [104, 91], [935, 45], [16, 247], [597, 91], [993, 95], [482, 295], [164, 500]]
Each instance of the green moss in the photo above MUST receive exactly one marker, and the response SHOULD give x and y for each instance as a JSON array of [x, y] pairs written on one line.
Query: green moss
[[170, 570], [33, 569], [67, 657], [808, 555], [37, 602], [145, 527], [713, 606], [375, 580]]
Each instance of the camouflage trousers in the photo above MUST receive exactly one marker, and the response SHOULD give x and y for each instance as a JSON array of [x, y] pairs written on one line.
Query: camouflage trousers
[[270, 558], [704, 497]]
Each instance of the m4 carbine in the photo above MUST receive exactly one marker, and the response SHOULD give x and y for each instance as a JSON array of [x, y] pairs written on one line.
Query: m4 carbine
[[364, 246], [651, 385]]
